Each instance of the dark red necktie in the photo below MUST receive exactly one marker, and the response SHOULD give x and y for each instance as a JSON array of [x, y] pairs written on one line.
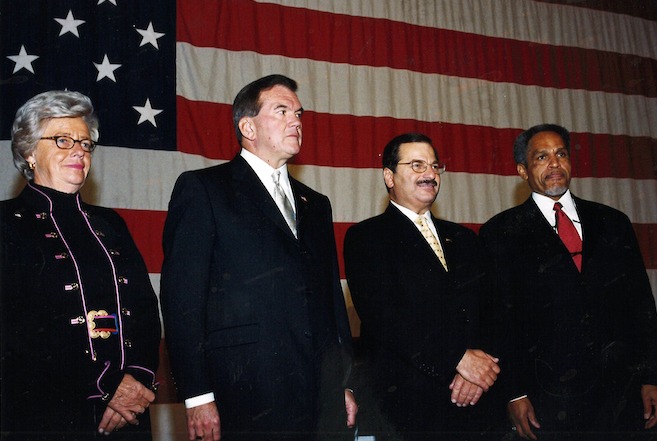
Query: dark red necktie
[[568, 234]]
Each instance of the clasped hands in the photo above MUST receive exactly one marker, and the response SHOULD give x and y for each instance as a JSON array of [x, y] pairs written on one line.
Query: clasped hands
[[476, 372], [129, 401]]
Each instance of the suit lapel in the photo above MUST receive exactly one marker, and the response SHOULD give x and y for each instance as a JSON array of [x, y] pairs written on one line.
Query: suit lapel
[[302, 203], [590, 229], [250, 187], [540, 235], [446, 241], [409, 235]]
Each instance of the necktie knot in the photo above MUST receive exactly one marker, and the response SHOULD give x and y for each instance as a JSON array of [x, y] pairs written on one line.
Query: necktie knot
[[568, 234]]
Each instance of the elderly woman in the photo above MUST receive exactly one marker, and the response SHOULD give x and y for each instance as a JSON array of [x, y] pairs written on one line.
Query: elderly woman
[[80, 327]]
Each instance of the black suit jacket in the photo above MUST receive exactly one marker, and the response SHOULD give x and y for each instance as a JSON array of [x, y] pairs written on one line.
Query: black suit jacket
[[417, 320], [571, 340], [250, 312]]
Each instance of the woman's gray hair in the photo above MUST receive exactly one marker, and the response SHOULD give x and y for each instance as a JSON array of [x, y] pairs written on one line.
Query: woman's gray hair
[[30, 118]]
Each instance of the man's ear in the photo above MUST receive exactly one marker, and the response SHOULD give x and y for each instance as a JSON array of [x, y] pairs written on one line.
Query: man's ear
[[387, 177], [522, 171], [247, 128]]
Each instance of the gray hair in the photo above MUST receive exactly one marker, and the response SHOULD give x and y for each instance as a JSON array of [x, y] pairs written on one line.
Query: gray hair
[[30, 118]]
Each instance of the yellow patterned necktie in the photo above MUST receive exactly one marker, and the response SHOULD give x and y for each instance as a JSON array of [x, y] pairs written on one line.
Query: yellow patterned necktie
[[433, 241]]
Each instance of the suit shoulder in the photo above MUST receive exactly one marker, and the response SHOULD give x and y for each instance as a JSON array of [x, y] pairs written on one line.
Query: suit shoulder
[[599, 209], [214, 172], [206, 181], [372, 223], [445, 225], [304, 191], [505, 219]]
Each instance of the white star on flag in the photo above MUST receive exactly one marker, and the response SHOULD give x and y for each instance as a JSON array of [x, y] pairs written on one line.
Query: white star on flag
[[106, 69], [149, 36], [103, 1], [23, 60], [147, 113], [69, 24]]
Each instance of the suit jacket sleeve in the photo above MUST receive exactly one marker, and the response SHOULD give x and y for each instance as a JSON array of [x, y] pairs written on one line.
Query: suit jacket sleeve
[[643, 318], [188, 243]]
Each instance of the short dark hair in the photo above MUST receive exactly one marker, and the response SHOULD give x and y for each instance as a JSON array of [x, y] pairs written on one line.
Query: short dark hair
[[521, 144], [391, 151], [247, 102]]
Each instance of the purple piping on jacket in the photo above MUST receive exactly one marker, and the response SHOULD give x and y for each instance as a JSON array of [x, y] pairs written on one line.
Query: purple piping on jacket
[[77, 272], [103, 395], [114, 279]]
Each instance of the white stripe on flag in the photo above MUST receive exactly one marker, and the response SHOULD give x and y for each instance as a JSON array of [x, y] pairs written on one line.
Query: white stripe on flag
[[356, 90], [143, 180]]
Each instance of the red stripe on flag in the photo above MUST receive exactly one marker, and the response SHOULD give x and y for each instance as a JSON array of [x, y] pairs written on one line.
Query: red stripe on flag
[[206, 129], [386, 43], [146, 228], [647, 237]]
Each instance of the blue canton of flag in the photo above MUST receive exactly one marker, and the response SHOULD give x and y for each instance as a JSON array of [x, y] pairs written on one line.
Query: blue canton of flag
[[121, 53]]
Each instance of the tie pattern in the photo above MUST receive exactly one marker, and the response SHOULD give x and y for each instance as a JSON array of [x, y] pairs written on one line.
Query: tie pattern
[[284, 203], [432, 240], [569, 235]]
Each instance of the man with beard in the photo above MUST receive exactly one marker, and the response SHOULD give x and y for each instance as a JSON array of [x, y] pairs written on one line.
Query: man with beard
[[415, 282], [578, 342]]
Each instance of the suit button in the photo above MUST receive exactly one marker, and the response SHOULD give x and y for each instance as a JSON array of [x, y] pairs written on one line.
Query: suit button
[[128, 343], [307, 333]]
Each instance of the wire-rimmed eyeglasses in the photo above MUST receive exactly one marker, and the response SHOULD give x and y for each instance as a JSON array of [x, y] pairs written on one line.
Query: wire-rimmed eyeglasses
[[421, 166], [67, 143]]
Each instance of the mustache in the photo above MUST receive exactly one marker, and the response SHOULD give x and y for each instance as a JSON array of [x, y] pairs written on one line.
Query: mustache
[[428, 181], [560, 173]]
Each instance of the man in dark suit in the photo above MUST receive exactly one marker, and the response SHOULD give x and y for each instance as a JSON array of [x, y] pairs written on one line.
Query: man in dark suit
[[579, 331], [416, 290], [254, 313]]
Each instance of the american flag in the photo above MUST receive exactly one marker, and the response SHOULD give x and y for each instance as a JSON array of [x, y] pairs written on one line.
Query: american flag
[[471, 74]]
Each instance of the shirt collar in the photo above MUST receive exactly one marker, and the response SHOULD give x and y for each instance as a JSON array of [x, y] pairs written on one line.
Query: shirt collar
[[546, 205], [264, 172], [410, 213]]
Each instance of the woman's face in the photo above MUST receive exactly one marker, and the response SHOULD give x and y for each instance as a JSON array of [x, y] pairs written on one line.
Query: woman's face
[[62, 170]]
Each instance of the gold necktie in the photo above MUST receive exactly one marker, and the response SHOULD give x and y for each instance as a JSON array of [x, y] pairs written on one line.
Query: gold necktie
[[433, 241], [284, 203]]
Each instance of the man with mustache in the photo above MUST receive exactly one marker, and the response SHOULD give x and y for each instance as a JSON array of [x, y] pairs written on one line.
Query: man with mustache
[[418, 306], [578, 339]]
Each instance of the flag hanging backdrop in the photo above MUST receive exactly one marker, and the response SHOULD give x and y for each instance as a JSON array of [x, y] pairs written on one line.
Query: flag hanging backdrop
[[471, 74]]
